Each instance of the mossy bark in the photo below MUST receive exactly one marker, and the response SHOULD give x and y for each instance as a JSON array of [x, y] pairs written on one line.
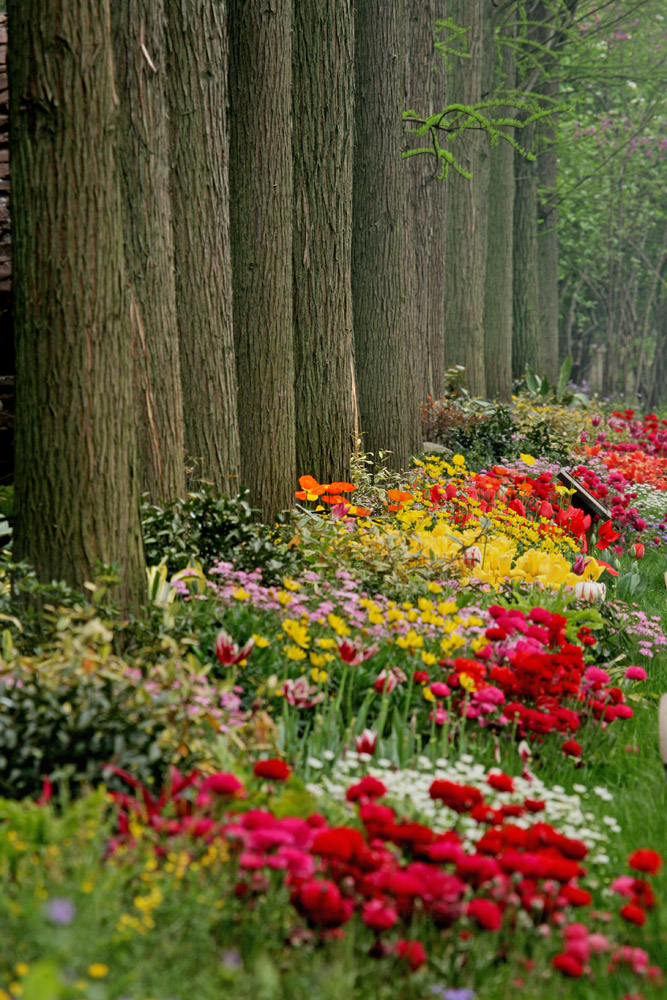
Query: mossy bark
[[526, 347], [77, 486]]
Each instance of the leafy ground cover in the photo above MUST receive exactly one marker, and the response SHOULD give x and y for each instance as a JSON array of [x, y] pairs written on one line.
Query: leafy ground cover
[[401, 744]]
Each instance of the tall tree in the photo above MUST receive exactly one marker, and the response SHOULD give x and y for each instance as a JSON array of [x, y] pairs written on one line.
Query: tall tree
[[500, 237], [198, 102], [323, 89], [526, 347], [465, 264], [77, 489], [425, 206], [389, 417], [260, 74], [139, 48]]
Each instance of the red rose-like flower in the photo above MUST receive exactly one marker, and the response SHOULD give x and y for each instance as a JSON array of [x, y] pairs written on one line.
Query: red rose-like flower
[[460, 798], [572, 748], [274, 769], [368, 788], [379, 915], [222, 784], [568, 965], [487, 914], [322, 904], [412, 951], [633, 914], [501, 782], [645, 860]]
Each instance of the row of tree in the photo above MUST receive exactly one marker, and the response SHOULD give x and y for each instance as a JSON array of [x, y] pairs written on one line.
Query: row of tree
[[220, 253]]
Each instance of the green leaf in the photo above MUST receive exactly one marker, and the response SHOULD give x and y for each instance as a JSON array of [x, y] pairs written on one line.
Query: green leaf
[[564, 375]]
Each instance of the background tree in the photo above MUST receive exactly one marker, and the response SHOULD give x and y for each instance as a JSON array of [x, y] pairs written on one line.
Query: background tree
[[465, 262], [389, 417], [425, 206], [323, 91], [140, 60], [76, 486], [260, 73], [500, 228], [198, 101]]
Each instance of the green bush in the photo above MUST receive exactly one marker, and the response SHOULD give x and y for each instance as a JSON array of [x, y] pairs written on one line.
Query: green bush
[[210, 528]]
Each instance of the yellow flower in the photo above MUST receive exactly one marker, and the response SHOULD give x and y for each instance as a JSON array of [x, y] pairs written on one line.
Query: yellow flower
[[428, 694], [260, 641], [338, 624], [290, 584], [98, 970], [293, 652], [319, 676], [527, 459], [240, 594], [466, 682], [410, 641], [21, 968], [284, 597], [326, 643], [319, 659], [427, 658], [458, 460], [435, 588], [296, 632]]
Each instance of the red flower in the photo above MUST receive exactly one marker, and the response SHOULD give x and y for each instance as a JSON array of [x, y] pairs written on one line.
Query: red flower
[[412, 951], [222, 784], [501, 782], [366, 742], [322, 904], [645, 860], [606, 535], [633, 914], [273, 769], [572, 748], [637, 550], [228, 652], [368, 788], [568, 965], [460, 798], [487, 913], [379, 915]]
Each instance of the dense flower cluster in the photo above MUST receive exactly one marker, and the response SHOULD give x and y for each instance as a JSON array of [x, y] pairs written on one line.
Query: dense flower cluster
[[390, 869]]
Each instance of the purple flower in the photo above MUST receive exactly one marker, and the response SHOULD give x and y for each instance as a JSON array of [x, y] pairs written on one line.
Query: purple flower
[[451, 993], [60, 910], [579, 564]]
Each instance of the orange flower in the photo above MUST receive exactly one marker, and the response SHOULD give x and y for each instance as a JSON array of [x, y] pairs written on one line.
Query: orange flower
[[311, 485], [399, 495], [340, 487]]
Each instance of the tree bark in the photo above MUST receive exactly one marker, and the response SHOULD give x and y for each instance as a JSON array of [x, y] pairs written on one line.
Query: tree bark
[[260, 74], [525, 332], [500, 237], [425, 207], [77, 488], [198, 102], [138, 28], [389, 418], [465, 264], [323, 89], [547, 237]]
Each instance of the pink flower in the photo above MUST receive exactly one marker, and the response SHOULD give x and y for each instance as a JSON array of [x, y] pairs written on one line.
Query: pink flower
[[440, 690], [301, 693], [438, 715], [636, 674]]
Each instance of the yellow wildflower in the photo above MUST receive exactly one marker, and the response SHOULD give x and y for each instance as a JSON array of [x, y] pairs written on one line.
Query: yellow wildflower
[[338, 624]]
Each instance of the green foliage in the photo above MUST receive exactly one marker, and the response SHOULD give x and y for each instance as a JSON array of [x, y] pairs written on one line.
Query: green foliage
[[480, 430], [211, 528], [538, 386]]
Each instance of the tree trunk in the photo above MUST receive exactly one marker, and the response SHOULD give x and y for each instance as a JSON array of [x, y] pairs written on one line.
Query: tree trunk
[[389, 418], [138, 28], [77, 488], [198, 100], [547, 240], [425, 207], [465, 263], [500, 238], [322, 88], [525, 332], [260, 74]]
